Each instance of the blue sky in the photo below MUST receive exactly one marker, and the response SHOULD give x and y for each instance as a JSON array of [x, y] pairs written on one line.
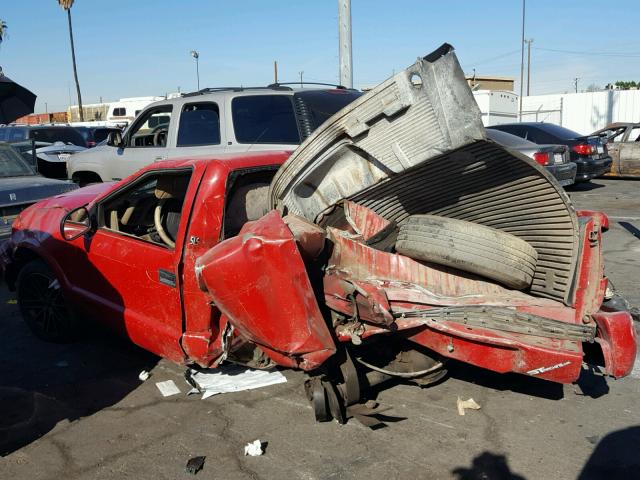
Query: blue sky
[[136, 48]]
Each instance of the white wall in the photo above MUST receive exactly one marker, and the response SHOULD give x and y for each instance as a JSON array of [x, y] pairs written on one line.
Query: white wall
[[583, 112]]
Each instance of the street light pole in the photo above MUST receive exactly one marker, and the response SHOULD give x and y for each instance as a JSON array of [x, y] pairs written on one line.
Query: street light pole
[[529, 42], [196, 55], [301, 72]]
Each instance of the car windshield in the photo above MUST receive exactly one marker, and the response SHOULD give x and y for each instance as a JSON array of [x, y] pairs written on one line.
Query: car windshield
[[559, 131], [66, 135], [11, 165]]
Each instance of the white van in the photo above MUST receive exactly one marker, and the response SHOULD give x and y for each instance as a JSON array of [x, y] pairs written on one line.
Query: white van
[[122, 112]]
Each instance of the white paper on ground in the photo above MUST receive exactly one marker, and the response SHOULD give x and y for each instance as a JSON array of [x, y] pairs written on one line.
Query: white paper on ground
[[168, 388], [234, 378], [253, 449]]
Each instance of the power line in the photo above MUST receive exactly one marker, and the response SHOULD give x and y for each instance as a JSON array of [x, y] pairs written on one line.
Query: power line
[[604, 54], [491, 59]]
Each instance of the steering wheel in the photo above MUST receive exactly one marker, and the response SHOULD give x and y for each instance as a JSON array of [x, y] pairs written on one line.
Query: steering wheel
[[160, 137], [157, 220]]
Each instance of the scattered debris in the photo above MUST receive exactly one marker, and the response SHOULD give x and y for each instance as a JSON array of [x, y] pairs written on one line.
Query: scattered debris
[[168, 388], [231, 378], [195, 464], [470, 404], [254, 449], [144, 375]]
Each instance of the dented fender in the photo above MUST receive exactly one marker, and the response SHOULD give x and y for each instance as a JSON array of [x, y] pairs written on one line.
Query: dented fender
[[259, 282]]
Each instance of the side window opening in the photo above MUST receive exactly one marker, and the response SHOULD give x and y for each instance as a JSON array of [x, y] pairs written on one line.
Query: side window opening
[[264, 119], [199, 125], [247, 198], [120, 112], [151, 130], [150, 210]]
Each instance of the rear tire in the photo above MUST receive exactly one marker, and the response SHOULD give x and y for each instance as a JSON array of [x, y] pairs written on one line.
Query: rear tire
[[84, 179], [43, 306], [469, 247]]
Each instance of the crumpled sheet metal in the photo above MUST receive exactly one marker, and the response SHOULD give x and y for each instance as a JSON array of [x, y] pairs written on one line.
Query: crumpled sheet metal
[[415, 115], [258, 280]]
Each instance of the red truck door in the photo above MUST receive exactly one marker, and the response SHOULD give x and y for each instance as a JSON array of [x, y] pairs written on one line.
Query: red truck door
[[130, 276]]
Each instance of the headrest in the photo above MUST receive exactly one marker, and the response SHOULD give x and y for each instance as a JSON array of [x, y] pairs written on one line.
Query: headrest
[[172, 186]]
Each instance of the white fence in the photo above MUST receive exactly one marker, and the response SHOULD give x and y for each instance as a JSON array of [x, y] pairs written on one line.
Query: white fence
[[583, 112]]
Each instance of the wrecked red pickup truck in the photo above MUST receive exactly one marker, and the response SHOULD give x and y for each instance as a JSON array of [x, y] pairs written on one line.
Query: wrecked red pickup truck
[[395, 237]]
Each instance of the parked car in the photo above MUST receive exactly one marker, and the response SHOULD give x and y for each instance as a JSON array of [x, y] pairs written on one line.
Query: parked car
[[96, 135], [27, 149], [21, 186], [42, 133], [56, 144], [225, 120], [555, 158], [589, 153], [394, 237], [623, 142]]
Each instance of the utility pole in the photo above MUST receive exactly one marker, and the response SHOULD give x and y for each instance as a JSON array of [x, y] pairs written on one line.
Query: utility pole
[[529, 42], [522, 60], [344, 50], [575, 83], [275, 71], [301, 72]]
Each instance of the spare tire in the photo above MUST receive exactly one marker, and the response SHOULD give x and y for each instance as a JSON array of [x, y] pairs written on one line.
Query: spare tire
[[469, 247]]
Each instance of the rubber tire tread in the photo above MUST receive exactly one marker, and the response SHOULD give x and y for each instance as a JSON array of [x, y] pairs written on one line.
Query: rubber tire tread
[[67, 335], [469, 247]]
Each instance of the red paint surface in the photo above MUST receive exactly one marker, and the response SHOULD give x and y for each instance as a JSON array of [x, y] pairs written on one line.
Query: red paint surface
[[258, 282]]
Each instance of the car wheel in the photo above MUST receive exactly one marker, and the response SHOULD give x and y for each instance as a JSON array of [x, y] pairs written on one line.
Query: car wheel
[[470, 247], [42, 304]]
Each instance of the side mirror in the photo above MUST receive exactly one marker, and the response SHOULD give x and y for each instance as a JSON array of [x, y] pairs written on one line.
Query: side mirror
[[115, 139], [75, 224]]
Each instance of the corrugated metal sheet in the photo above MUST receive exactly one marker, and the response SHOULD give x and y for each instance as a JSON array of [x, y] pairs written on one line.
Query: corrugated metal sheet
[[482, 183], [417, 114]]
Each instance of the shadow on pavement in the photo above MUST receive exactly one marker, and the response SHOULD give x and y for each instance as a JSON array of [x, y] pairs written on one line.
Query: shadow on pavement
[[592, 383], [631, 229], [506, 381], [617, 456], [487, 466], [42, 384], [584, 186]]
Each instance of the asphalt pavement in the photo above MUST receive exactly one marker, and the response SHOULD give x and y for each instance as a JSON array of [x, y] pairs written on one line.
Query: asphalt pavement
[[80, 412]]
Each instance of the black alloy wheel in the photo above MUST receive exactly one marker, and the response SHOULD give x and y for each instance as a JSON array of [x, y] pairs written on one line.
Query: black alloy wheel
[[42, 304]]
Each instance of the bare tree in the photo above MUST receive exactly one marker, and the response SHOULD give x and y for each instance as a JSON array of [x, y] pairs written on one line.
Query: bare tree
[[593, 88], [66, 5]]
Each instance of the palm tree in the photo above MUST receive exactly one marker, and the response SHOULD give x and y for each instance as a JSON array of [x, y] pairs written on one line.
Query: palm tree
[[66, 5], [3, 30]]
